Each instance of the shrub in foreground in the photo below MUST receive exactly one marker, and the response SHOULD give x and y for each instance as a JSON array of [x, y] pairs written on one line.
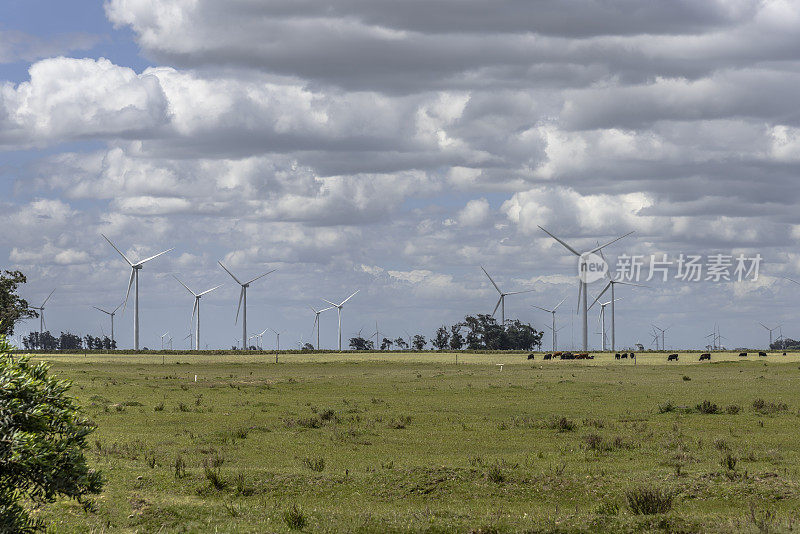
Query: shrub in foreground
[[42, 441], [649, 501]]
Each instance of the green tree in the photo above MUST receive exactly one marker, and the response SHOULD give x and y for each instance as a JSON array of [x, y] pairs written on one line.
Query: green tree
[[12, 308], [42, 440], [442, 339], [456, 339], [418, 342]]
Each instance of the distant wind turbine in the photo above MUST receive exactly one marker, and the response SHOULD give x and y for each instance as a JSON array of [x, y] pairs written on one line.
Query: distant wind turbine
[[770, 332], [278, 338], [501, 302], [602, 319], [582, 288], [243, 297], [339, 309], [611, 283], [196, 309], [316, 321], [134, 281], [553, 312], [42, 324], [110, 314]]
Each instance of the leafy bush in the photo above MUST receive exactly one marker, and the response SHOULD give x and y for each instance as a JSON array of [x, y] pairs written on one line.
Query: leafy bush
[[728, 462], [43, 438], [562, 424], [294, 518], [707, 407], [315, 464], [733, 409], [767, 408], [495, 474], [666, 407], [649, 501]]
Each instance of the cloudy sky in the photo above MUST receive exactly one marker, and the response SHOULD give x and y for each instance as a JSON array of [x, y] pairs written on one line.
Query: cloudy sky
[[394, 147]]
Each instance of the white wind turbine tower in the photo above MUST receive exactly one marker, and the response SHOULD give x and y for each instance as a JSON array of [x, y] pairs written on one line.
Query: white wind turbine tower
[[134, 280], [165, 334], [42, 324], [278, 338], [610, 284], [602, 319], [339, 309], [243, 297], [110, 314], [553, 312], [582, 288], [196, 310], [316, 321], [260, 339], [501, 302], [662, 330], [770, 332]]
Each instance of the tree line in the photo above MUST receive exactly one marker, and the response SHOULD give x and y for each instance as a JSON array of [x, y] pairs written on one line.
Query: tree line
[[66, 341], [475, 332]]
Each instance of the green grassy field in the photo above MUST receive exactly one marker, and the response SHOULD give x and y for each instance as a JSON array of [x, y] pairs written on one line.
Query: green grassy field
[[415, 443]]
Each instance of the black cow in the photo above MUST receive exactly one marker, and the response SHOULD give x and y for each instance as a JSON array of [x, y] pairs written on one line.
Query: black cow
[[616, 356], [742, 354], [762, 354], [548, 356], [624, 355], [672, 358], [633, 356], [530, 357], [705, 356]]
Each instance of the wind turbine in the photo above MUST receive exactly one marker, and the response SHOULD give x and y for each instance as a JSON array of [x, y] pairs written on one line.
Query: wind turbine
[[770, 332], [377, 336], [243, 297], [555, 334], [662, 330], [165, 334], [110, 314], [501, 302], [316, 321], [42, 324], [655, 339], [134, 280], [339, 309], [189, 337], [196, 309], [602, 319], [277, 338], [582, 288], [553, 311], [610, 284]]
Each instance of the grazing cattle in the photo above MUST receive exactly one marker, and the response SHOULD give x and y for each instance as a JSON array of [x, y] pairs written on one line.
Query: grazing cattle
[[762, 353], [784, 354], [705, 356], [530, 357], [548, 356], [742, 354], [633, 356], [624, 355], [567, 356], [616, 356], [672, 358]]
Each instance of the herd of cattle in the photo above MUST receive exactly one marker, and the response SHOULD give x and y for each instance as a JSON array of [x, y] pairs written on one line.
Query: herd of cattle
[[622, 356]]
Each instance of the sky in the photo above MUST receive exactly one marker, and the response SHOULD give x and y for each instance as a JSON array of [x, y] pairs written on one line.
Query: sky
[[395, 148]]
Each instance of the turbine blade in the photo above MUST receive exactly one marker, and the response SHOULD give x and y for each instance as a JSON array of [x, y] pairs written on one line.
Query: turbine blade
[[326, 309], [210, 290], [102, 310], [490, 279], [562, 242], [612, 241], [184, 285], [331, 303], [600, 295], [578, 307], [155, 256], [239, 307], [762, 324], [348, 298], [115, 309], [559, 304], [312, 309], [543, 309], [130, 283], [194, 310], [629, 283], [261, 276], [518, 292], [497, 305], [48, 297], [230, 273], [124, 257]]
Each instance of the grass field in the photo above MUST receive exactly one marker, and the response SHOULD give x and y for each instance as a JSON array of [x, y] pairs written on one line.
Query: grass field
[[415, 443]]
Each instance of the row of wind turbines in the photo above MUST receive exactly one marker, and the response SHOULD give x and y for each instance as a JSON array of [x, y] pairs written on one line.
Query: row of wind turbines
[[133, 282]]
